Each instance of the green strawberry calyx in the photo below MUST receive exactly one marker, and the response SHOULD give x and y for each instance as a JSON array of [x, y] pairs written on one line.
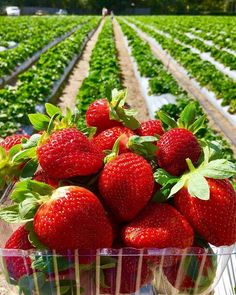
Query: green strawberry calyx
[[144, 146], [9, 169], [187, 119], [118, 111], [195, 180], [27, 196]]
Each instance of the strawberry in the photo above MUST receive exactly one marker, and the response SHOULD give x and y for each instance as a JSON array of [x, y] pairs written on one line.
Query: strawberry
[[73, 218], [12, 140], [42, 176], [132, 277], [104, 115], [214, 219], [67, 153], [158, 226], [97, 115], [107, 138], [18, 266], [194, 274], [174, 147], [126, 185], [150, 128]]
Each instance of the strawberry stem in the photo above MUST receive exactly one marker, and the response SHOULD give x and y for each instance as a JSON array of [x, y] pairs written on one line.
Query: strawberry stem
[[190, 165]]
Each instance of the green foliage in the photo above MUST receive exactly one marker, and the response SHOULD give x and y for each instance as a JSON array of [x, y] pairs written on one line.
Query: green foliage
[[104, 70]]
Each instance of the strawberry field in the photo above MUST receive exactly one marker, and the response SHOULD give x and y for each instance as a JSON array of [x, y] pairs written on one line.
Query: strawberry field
[[117, 154]]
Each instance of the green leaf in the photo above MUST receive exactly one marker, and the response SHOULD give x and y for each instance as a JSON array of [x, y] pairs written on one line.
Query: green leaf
[[14, 150], [102, 280], [143, 145], [89, 131], [39, 121], [51, 123], [28, 208], [163, 177], [29, 169], [166, 119], [187, 116], [198, 125], [198, 187], [180, 184], [32, 142], [127, 119], [218, 169], [45, 263], [27, 283], [33, 238], [25, 155], [10, 214], [52, 109]]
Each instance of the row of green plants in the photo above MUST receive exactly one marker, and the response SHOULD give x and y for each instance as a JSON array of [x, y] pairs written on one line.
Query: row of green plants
[[152, 68], [220, 30], [104, 72], [34, 37], [178, 31], [203, 71], [36, 84]]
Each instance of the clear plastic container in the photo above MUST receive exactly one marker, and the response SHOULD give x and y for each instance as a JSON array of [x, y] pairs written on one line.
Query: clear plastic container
[[121, 270], [118, 271]]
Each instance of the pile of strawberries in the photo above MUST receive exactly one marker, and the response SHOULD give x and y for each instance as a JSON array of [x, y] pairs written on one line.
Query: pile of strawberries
[[117, 184]]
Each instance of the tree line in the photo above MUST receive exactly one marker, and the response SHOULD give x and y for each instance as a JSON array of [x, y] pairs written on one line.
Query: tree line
[[121, 6]]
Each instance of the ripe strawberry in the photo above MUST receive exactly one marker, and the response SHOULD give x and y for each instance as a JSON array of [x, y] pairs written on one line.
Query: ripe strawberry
[[107, 138], [12, 140], [150, 128], [194, 274], [67, 153], [174, 147], [214, 219], [73, 218], [158, 226], [97, 115], [42, 176], [18, 266], [126, 185], [130, 281]]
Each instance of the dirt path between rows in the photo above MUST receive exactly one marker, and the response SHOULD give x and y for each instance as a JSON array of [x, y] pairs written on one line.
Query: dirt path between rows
[[79, 73], [216, 120], [135, 98]]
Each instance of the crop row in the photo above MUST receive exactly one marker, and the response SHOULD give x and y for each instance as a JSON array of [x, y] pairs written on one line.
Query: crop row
[[104, 72], [37, 36], [203, 71], [220, 30], [178, 32], [161, 82], [36, 84]]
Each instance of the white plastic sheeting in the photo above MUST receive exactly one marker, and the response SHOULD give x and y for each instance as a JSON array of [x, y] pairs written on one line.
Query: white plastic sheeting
[[210, 96], [203, 55]]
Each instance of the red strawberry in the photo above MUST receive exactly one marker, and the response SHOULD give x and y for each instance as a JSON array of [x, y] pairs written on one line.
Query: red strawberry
[[214, 219], [67, 153], [12, 140], [73, 218], [107, 138], [18, 266], [132, 277], [194, 274], [150, 128], [97, 115], [174, 147], [42, 176], [126, 185], [158, 226]]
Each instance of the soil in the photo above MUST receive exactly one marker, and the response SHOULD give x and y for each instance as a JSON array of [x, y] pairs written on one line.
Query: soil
[[79, 73], [135, 98], [216, 120]]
